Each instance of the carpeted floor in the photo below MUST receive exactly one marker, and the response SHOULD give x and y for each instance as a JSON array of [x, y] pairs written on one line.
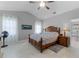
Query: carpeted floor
[[22, 49]]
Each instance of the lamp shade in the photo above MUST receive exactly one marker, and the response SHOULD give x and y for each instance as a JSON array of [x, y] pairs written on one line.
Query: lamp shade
[[65, 27]]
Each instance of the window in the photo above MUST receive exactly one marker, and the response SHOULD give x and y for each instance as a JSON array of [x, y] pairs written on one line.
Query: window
[[9, 24], [38, 27]]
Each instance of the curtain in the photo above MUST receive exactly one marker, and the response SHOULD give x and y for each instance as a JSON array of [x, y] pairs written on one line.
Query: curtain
[[9, 24], [38, 27]]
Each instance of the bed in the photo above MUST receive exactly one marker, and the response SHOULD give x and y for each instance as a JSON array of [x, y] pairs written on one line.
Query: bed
[[46, 39]]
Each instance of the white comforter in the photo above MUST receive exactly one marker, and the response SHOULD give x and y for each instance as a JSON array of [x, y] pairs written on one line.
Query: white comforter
[[47, 37]]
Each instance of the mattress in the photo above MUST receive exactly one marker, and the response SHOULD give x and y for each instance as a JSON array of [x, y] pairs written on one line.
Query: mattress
[[47, 37]]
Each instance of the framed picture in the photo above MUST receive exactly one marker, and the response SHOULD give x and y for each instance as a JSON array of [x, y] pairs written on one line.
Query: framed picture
[[26, 27]]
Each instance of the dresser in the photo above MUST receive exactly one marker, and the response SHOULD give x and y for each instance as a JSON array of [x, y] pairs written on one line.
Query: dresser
[[64, 41]]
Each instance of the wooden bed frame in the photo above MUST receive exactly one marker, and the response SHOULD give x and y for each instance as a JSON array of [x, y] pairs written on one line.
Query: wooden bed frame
[[39, 44]]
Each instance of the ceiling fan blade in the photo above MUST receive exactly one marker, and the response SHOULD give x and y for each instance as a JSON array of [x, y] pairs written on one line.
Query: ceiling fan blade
[[38, 8], [49, 1], [47, 7], [33, 1]]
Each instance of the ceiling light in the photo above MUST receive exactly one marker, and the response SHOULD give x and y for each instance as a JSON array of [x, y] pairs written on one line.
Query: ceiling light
[[42, 4]]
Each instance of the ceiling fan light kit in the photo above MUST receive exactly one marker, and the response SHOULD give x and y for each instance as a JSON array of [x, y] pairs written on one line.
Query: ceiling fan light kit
[[42, 4]]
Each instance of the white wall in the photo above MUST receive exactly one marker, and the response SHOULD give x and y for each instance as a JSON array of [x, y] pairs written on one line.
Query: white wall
[[64, 19], [23, 18], [59, 20], [29, 20]]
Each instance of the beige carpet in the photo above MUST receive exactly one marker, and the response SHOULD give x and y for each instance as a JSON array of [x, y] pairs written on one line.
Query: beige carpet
[[23, 49]]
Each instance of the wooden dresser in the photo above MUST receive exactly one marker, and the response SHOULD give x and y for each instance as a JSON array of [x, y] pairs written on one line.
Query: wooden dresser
[[64, 41]]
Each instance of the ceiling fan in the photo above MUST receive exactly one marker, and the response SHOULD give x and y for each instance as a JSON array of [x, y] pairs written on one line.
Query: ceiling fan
[[42, 4]]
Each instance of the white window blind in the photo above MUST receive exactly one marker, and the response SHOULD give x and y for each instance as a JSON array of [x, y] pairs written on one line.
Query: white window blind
[[38, 27]]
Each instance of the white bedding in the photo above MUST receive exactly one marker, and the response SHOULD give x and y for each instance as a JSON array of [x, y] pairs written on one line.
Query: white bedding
[[47, 37]]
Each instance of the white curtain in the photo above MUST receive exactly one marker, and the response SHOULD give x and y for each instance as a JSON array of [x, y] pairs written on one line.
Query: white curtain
[[9, 23], [38, 27]]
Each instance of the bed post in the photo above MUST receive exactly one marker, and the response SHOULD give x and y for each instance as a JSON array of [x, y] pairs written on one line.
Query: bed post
[[59, 31], [29, 37], [41, 50]]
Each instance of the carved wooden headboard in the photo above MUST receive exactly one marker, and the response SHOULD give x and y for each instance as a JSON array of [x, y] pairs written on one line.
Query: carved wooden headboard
[[52, 29]]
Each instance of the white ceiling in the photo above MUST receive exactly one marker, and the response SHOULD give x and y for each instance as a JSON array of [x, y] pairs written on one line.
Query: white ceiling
[[58, 6]]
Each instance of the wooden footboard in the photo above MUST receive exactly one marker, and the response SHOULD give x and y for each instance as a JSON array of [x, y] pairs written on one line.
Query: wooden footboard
[[39, 44], [36, 44]]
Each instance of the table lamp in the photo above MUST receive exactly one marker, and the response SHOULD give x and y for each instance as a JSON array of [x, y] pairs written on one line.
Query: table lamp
[[65, 29]]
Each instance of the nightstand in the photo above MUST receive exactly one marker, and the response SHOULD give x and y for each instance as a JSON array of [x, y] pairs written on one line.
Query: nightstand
[[64, 41]]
